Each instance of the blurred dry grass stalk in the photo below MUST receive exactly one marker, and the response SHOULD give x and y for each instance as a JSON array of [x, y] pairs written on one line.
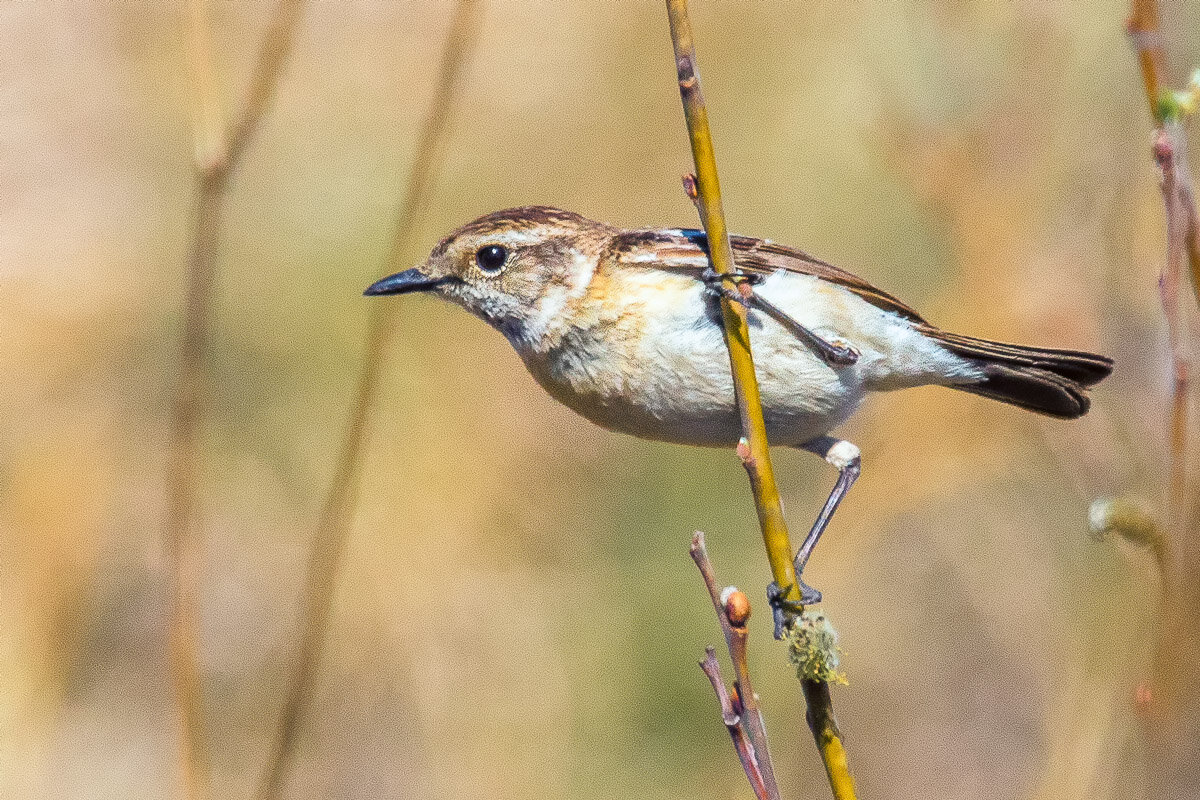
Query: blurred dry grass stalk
[[219, 148], [334, 523], [754, 449], [1172, 715]]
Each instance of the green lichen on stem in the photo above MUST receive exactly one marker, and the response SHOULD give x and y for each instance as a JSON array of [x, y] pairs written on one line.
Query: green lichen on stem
[[813, 649]]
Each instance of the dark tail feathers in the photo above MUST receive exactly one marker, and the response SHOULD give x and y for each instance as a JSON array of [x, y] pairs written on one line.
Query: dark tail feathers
[[1051, 382]]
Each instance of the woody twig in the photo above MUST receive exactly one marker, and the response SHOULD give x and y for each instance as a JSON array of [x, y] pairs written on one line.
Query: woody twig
[[1172, 707], [739, 709]]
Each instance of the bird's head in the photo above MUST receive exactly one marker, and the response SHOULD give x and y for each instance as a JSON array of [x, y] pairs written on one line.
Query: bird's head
[[516, 269]]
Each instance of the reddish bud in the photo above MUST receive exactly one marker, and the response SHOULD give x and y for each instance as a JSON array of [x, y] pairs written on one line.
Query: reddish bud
[[690, 187], [1164, 151], [737, 608]]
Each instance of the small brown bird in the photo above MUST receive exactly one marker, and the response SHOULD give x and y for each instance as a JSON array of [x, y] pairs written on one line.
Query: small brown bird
[[624, 327]]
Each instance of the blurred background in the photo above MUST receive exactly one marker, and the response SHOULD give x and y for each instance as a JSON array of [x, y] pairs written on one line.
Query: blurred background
[[517, 615]]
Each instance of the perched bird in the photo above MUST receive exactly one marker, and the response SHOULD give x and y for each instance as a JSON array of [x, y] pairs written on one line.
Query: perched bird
[[624, 327]]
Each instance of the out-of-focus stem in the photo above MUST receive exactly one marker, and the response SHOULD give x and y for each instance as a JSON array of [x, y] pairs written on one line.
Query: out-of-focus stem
[[218, 152], [337, 511], [1183, 239], [1172, 715], [1147, 40]]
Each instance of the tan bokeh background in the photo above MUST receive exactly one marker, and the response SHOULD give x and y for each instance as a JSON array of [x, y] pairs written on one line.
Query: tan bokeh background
[[517, 615]]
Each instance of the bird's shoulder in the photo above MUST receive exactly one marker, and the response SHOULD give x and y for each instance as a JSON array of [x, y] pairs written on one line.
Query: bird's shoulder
[[686, 250]]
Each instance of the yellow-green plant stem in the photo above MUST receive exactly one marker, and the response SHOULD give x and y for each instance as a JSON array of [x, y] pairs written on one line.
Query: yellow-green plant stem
[[755, 452], [828, 737], [737, 331]]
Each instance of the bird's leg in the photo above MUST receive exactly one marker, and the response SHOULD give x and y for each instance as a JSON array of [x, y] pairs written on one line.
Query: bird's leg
[[848, 460], [835, 353]]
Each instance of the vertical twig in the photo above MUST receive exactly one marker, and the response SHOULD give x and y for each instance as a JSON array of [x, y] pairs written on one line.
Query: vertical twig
[[1167, 154], [741, 714], [828, 736], [334, 521], [1143, 29], [737, 331], [733, 626], [1183, 233], [1172, 706], [218, 152], [754, 450]]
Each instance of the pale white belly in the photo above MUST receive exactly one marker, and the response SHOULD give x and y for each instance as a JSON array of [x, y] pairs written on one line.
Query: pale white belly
[[661, 370]]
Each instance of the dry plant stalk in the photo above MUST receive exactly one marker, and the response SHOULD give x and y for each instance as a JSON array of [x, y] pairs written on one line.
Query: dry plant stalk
[[754, 450], [337, 511], [218, 153], [1173, 715]]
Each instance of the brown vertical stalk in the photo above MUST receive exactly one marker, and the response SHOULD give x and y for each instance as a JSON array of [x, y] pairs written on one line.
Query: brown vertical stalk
[[750, 721], [334, 521], [218, 153], [754, 452], [1172, 719], [1143, 28]]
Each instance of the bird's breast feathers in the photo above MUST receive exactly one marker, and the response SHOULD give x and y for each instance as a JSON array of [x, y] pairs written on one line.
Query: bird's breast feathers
[[642, 351]]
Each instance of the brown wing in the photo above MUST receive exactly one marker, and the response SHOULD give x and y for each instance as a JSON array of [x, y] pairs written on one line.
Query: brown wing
[[687, 250]]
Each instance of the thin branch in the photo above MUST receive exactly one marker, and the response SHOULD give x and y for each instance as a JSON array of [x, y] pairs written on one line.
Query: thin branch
[[743, 717], [337, 511], [1143, 30], [1183, 234], [828, 737], [733, 625], [1166, 151], [216, 152], [737, 731], [1170, 730], [754, 450]]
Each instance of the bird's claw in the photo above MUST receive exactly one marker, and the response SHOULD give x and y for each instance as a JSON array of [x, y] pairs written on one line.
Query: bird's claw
[[785, 609], [716, 281]]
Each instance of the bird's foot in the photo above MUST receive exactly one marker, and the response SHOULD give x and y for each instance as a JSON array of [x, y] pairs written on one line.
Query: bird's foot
[[784, 609], [729, 284]]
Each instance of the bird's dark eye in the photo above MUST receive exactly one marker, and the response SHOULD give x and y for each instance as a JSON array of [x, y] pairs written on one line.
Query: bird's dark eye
[[491, 259]]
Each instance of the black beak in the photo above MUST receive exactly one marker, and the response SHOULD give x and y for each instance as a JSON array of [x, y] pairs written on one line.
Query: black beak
[[411, 280]]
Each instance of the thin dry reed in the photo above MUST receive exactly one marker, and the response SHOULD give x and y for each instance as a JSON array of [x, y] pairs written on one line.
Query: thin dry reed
[[219, 149], [333, 525]]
